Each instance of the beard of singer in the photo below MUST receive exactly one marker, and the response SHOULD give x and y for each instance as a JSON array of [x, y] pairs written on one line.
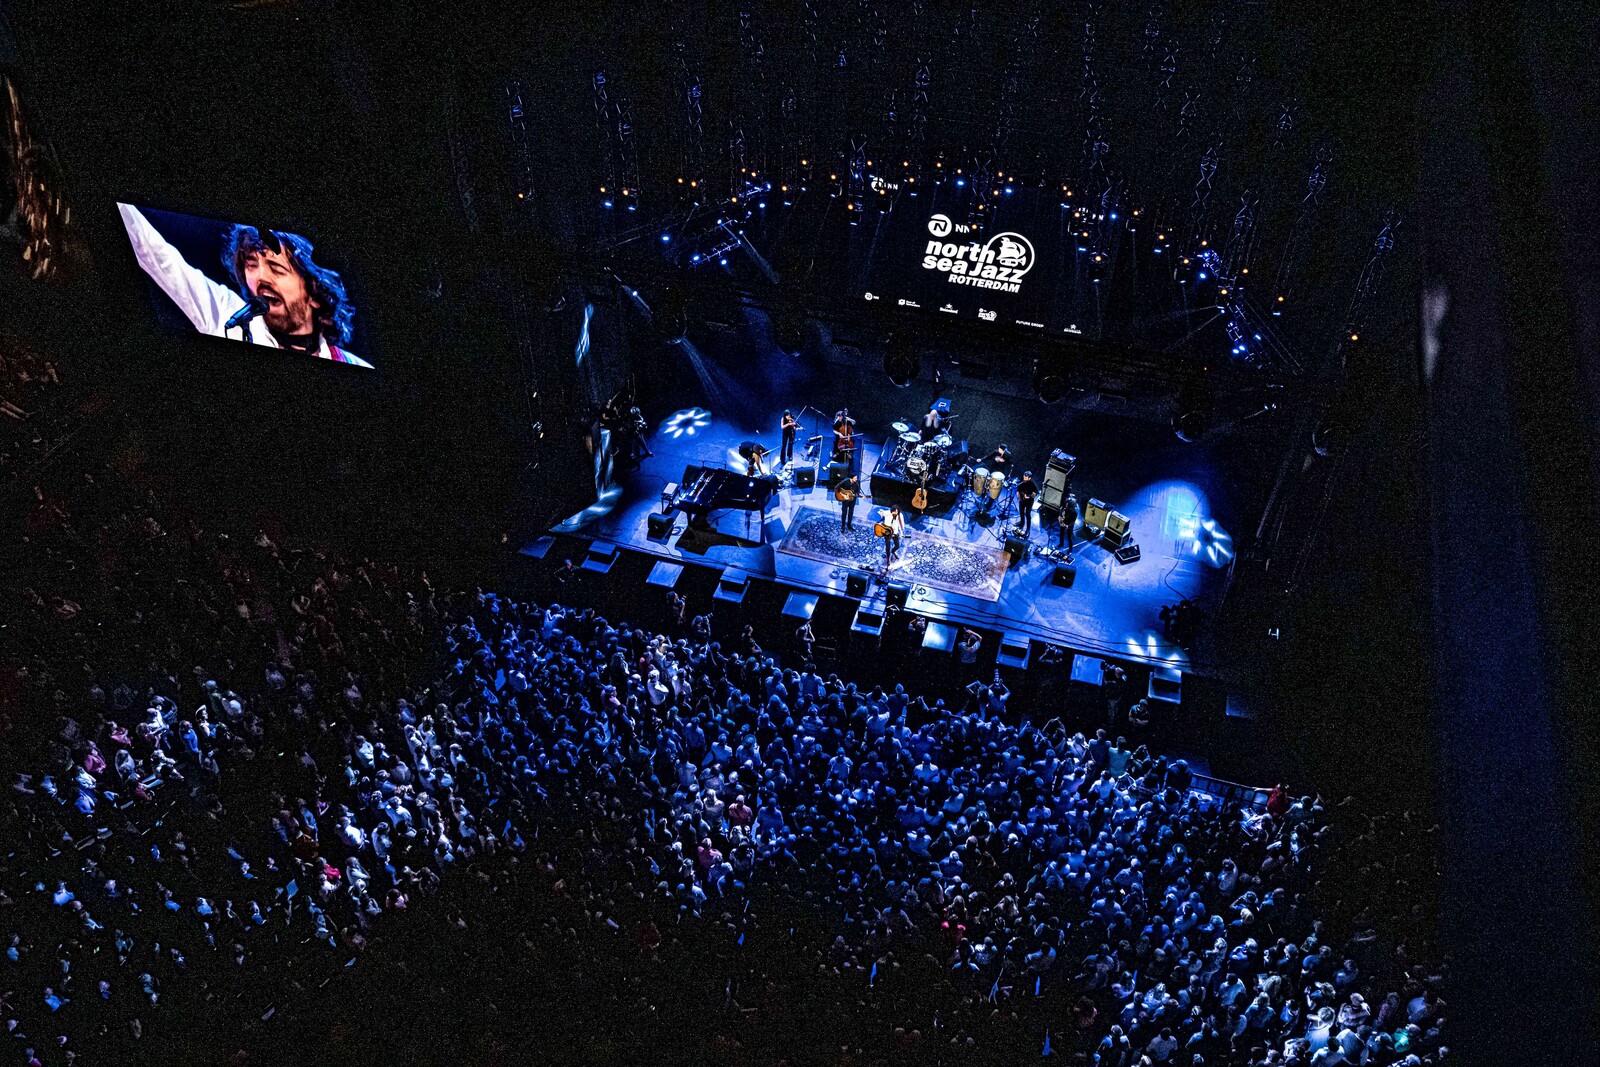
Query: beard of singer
[[273, 278]]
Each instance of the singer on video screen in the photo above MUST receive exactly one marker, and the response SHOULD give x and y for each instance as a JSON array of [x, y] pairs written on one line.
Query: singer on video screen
[[280, 297]]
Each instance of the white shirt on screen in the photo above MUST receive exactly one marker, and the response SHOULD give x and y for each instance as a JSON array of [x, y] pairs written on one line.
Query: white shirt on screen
[[207, 304]]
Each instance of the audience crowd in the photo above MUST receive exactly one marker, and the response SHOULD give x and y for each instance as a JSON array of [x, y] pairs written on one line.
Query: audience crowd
[[238, 767]]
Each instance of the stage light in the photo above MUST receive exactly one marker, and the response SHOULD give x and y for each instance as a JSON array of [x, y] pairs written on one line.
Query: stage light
[[1202, 275], [694, 183], [1355, 337], [1280, 299], [695, 258], [1113, 216], [608, 203], [680, 181], [960, 182], [1008, 190], [666, 238], [901, 361], [519, 196], [624, 192], [723, 261], [762, 204], [1246, 270], [602, 188], [1258, 337]]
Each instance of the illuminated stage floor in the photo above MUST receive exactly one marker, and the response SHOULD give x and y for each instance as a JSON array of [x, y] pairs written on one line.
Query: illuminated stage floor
[[1110, 608]]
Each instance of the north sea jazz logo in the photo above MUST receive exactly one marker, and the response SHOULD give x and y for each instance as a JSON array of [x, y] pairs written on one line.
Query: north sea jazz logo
[[998, 263]]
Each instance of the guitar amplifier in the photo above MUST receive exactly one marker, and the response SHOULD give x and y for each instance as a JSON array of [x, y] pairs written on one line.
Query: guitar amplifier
[[1057, 479], [1118, 529], [805, 477], [1095, 514]]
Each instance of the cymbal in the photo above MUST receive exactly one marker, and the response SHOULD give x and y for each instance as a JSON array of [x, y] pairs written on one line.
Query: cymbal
[[901, 427]]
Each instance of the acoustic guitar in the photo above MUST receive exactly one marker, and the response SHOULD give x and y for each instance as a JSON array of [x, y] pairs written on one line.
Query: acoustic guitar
[[844, 495], [919, 499]]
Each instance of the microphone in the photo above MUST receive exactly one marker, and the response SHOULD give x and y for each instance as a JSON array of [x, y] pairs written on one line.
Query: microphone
[[253, 306]]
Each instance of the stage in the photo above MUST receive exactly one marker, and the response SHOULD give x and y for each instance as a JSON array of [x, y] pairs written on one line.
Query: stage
[[958, 569]]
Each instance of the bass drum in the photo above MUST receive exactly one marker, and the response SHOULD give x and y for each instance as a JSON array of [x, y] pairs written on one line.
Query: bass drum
[[980, 480], [997, 482], [916, 466]]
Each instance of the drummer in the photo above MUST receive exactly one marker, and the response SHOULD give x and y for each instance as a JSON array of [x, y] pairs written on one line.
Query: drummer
[[999, 467], [936, 420], [999, 461]]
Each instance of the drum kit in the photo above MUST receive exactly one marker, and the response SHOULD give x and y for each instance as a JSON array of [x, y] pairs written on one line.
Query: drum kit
[[920, 459]]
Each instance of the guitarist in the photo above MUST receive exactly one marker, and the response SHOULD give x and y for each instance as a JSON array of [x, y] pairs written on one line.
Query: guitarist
[[846, 492], [894, 528]]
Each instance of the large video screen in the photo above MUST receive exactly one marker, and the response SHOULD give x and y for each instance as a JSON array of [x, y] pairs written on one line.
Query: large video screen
[[256, 284], [1017, 268]]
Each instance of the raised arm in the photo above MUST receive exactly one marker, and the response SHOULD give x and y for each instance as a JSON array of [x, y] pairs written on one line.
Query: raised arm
[[207, 304]]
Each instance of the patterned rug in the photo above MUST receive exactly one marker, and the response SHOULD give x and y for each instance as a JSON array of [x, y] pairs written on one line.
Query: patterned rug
[[974, 570]]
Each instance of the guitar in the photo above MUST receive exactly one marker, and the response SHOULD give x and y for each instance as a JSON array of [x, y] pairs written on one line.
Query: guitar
[[844, 495], [919, 499]]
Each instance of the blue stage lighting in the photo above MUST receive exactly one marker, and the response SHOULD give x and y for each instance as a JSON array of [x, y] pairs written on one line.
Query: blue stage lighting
[[1008, 190], [1159, 251], [695, 258], [1258, 337], [762, 204], [1113, 216], [960, 182], [1202, 275], [608, 203], [666, 238], [723, 261]]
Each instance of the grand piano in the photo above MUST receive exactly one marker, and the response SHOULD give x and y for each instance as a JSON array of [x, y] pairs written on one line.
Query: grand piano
[[705, 490]]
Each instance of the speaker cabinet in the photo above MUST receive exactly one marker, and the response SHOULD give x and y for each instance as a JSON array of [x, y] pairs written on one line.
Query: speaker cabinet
[[1095, 514], [837, 472], [805, 477], [855, 583], [1065, 574], [1017, 547], [898, 594], [660, 525], [1057, 479]]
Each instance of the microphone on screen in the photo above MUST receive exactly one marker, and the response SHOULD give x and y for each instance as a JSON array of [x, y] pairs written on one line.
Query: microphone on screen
[[253, 306]]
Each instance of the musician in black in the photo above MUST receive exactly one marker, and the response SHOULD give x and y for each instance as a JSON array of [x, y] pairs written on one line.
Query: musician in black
[[753, 453], [936, 420], [789, 425], [847, 491], [999, 462], [1027, 493], [1067, 524], [844, 437]]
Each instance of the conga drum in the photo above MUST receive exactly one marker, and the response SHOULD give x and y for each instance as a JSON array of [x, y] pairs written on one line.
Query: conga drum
[[997, 482], [980, 480]]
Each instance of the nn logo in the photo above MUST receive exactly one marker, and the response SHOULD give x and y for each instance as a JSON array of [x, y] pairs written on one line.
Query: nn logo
[[941, 226]]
